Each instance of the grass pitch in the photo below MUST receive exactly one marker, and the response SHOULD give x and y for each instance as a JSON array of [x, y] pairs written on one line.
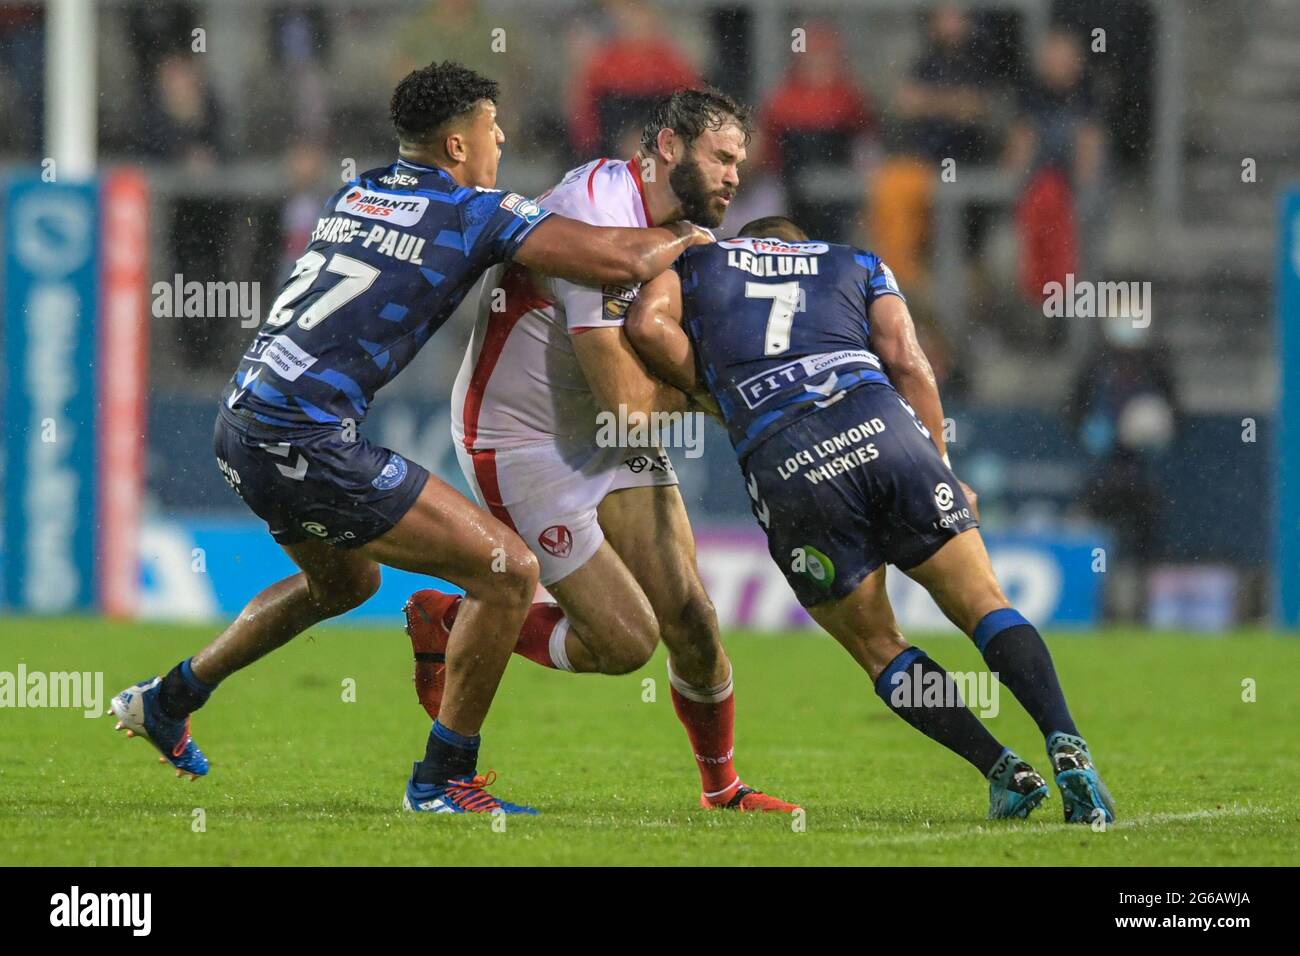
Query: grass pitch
[[301, 776]]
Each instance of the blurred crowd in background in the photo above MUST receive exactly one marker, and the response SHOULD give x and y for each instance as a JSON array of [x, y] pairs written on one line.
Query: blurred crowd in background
[[249, 114], [849, 136]]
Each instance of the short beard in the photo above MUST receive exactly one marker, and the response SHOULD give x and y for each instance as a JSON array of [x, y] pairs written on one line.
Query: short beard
[[687, 182]]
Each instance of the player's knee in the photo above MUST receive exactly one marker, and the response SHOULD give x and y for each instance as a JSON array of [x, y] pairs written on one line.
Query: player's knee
[[885, 643], [691, 622], [977, 601], [628, 656], [513, 579], [342, 595], [640, 637]]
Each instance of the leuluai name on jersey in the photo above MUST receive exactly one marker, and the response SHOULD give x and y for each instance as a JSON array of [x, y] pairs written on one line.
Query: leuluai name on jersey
[[766, 258]]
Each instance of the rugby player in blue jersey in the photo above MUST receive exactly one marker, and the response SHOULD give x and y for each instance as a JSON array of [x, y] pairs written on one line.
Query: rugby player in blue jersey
[[393, 253], [809, 352]]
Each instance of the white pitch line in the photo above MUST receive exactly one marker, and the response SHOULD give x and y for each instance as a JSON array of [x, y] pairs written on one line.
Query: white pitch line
[[989, 830]]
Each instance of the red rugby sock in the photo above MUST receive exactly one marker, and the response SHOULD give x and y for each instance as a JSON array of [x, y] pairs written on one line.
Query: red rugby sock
[[535, 636], [710, 725]]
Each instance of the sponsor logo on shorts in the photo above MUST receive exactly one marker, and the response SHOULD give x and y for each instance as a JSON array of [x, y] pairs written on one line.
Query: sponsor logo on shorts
[[943, 496], [320, 531], [394, 473], [231, 475], [398, 210], [949, 520], [817, 567], [556, 540], [639, 463]]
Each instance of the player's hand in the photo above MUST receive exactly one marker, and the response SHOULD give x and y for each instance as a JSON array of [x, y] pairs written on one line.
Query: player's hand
[[971, 497], [701, 236]]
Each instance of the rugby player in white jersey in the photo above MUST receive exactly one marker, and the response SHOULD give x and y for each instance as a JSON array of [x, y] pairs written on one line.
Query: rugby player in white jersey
[[607, 524]]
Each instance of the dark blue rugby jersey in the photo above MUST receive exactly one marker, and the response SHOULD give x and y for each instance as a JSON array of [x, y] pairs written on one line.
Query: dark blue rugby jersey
[[780, 328], [393, 254]]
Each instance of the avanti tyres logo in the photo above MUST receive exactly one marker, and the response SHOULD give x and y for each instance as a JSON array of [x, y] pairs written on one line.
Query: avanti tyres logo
[[775, 246], [396, 208]]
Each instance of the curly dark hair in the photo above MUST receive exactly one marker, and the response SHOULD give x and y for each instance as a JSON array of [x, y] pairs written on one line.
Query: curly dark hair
[[430, 96], [688, 113]]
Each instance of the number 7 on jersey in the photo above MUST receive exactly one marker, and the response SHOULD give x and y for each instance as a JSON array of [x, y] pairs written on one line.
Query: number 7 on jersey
[[786, 300]]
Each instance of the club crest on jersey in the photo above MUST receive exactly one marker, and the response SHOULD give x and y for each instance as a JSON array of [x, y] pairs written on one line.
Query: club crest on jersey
[[393, 474], [525, 209], [556, 540], [399, 210]]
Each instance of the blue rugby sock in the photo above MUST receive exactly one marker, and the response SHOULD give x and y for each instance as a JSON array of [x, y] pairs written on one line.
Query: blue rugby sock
[[901, 685], [447, 754], [181, 692], [1015, 651]]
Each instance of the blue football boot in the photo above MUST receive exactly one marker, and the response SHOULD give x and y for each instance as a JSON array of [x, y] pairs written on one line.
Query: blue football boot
[[1015, 788], [458, 795], [138, 711], [1085, 797]]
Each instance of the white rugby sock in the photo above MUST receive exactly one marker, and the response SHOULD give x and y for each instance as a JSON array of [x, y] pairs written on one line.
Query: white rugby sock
[[559, 655], [701, 695]]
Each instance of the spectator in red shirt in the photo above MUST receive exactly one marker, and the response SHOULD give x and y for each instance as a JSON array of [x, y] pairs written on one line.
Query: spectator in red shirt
[[816, 117], [817, 98], [626, 72], [1059, 148]]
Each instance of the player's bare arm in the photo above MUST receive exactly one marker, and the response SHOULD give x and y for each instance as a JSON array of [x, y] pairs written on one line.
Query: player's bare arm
[[893, 337], [619, 378], [654, 327], [595, 255]]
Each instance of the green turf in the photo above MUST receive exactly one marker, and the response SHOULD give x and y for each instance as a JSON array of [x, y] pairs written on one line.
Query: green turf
[[301, 777]]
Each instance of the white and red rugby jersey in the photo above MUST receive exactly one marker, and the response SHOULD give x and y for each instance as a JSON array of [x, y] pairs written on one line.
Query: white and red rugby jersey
[[520, 382]]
